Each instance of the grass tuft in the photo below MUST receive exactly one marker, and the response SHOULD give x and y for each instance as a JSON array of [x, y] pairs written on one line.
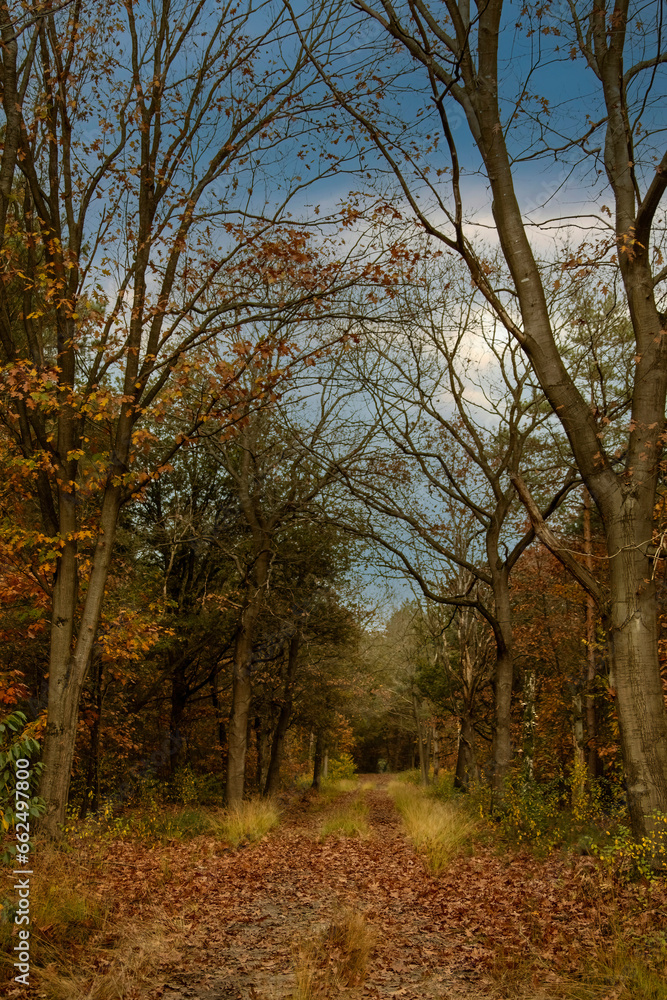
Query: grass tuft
[[439, 830], [335, 959], [246, 823], [350, 943], [340, 785], [66, 909], [133, 961], [348, 819], [620, 973]]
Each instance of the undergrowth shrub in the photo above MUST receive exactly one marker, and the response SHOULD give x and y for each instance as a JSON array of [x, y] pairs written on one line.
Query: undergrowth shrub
[[17, 746], [412, 777], [154, 822], [341, 766], [626, 858], [160, 823], [573, 813], [531, 814], [187, 788], [442, 788], [565, 812]]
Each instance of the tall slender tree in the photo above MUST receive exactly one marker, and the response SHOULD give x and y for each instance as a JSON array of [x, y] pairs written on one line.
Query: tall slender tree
[[137, 239], [481, 68]]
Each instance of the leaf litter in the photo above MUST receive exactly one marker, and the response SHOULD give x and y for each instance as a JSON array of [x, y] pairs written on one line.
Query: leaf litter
[[234, 922]]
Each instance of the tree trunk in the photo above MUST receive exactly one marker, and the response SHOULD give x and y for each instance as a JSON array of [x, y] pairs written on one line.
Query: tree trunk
[[504, 676], [396, 757], [466, 760], [579, 770], [262, 738], [591, 616], [423, 764], [625, 499], [273, 775], [179, 699], [636, 675], [317, 762], [237, 737], [68, 668], [221, 729]]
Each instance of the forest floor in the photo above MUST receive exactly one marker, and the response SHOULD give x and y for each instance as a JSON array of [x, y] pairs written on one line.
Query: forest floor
[[302, 916]]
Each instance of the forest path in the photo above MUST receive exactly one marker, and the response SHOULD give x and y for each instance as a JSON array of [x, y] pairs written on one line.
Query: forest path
[[255, 906]]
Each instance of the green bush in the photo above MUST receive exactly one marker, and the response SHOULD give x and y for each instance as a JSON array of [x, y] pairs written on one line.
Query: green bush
[[627, 858], [443, 788], [16, 744], [341, 766], [153, 822], [531, 814], [412, 777], [188, 787]]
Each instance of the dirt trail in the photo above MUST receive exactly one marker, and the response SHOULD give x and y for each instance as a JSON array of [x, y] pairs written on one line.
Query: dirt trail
[[257, 903]]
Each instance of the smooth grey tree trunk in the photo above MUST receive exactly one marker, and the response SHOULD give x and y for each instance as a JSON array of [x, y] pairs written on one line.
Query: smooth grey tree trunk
[[68, 666]]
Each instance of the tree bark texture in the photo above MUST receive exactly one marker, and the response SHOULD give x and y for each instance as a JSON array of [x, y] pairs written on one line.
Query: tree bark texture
[[466, 759], [503, 681], [237, 732], [91, 795], [68, 666]]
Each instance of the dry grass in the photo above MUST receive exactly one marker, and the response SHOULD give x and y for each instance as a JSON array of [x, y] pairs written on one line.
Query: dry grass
[[335, 959], [349, 819], [350, 942], [341, 785], [604, 979], [132, 962], [439, 830], [622, 962], [248, 822], [66, 909], [331, 788], [77, 952], [621, 973]]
